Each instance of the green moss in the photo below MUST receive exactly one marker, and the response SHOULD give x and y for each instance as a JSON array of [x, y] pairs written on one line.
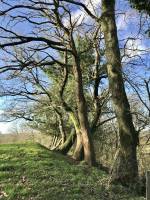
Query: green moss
[[29, 171]]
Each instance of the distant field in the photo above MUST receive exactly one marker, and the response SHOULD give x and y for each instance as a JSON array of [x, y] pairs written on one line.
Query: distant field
[[31, 172], [43, 139]]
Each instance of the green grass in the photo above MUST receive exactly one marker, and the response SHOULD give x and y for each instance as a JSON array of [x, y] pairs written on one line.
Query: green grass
[[31, 172]]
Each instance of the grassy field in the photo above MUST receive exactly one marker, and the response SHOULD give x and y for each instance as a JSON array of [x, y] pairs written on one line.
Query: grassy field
[[31, 172]]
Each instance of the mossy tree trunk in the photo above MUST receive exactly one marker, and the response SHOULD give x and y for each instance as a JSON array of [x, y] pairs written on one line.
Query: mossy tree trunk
[[88, 148], [78, 152], [61, 127], [126, 168], [66, 146]]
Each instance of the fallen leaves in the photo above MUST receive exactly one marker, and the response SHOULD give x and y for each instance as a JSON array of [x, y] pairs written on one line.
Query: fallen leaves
[[3, 194]]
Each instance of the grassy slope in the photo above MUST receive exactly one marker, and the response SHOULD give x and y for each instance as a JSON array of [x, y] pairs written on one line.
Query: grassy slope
[[30, 172]]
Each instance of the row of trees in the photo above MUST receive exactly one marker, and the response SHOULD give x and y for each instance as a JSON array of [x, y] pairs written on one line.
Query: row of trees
[[61, 74]]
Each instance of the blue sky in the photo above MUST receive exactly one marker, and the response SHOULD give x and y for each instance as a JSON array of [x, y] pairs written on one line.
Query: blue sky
[[127, 19]]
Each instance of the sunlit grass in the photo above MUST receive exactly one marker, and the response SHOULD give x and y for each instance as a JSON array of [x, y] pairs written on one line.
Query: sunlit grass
[[31, 172]]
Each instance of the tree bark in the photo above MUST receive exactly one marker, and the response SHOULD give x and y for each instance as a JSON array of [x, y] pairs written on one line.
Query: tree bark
[[89, 155], [61, 128], [78, 152], [126, 168], [66, 146]]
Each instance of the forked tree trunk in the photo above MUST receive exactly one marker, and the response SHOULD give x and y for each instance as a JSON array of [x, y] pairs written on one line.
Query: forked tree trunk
[[89, 155], [126, 168], [78, 152]]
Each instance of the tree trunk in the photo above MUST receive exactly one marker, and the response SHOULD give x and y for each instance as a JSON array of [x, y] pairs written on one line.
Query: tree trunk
[[62, 130], [66, 146], [78, 152], [89, 155], [126, 168]]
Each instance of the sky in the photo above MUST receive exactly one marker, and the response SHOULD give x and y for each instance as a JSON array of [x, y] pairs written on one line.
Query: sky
[[127, 20]]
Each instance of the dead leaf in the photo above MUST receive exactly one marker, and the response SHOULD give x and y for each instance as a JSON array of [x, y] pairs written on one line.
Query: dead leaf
[[3, 194]]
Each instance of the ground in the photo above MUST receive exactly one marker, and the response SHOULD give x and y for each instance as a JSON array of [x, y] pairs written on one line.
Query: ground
[[31, 172]]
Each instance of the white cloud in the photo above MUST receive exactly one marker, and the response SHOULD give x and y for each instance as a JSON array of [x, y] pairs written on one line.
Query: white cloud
[[1, 112], [79, 15], [4, 127], [134, 47], [92, 4]]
